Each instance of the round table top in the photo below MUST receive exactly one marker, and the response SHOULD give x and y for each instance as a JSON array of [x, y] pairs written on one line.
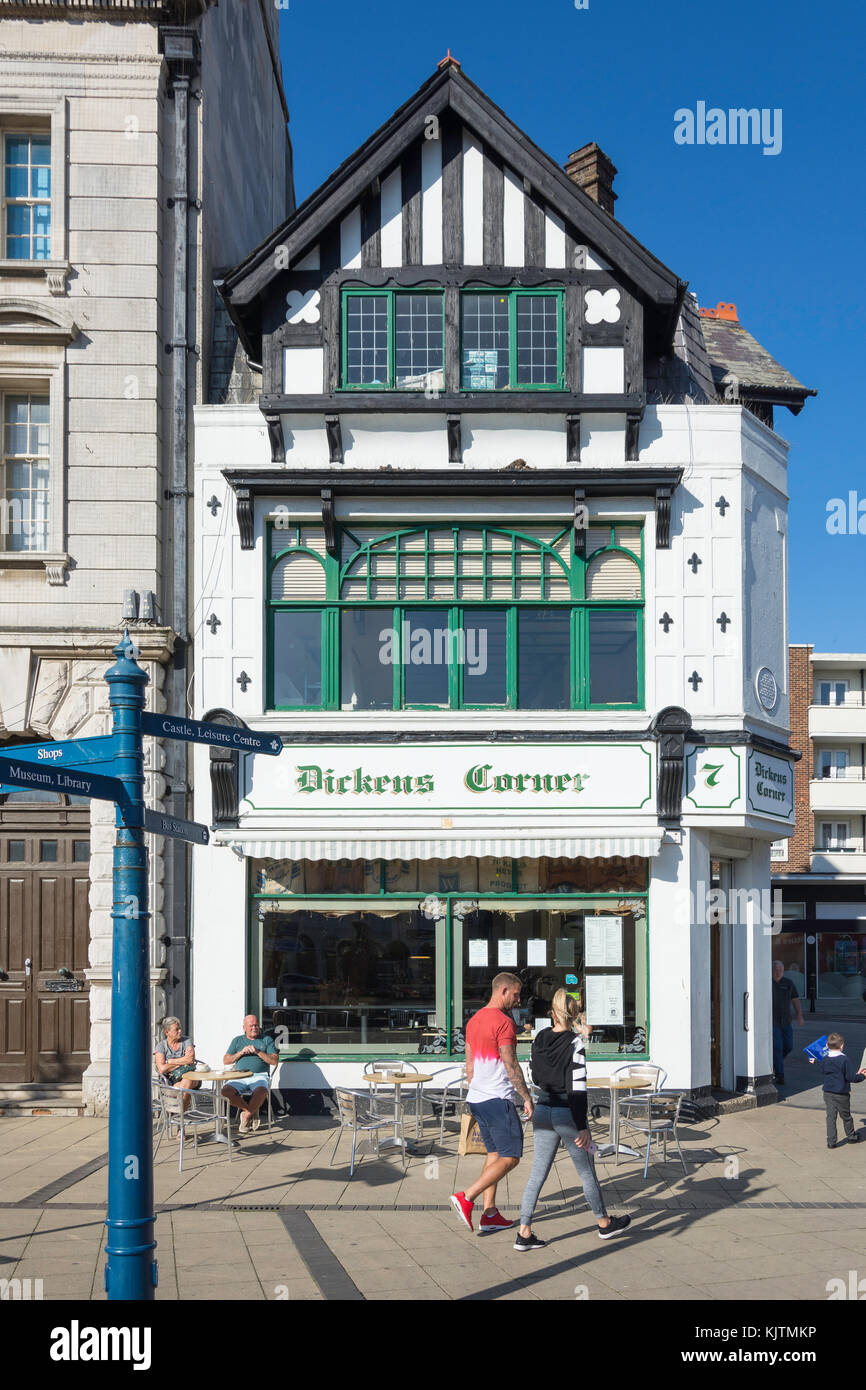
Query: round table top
[[605, 1083], [230, 1075], [399, 1079]]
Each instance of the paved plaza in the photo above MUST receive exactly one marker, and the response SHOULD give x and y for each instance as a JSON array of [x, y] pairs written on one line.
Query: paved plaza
[[765, 1212]]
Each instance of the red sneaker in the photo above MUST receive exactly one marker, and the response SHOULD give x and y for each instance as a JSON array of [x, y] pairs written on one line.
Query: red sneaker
[[463, 1207], [494, 1222]]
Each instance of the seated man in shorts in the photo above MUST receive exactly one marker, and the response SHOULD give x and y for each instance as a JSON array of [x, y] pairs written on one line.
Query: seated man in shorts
[[250, 1052]]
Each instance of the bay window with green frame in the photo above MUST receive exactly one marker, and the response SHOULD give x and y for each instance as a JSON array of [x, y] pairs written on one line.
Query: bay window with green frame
[[468, 616], [350, 956], [510, 340]]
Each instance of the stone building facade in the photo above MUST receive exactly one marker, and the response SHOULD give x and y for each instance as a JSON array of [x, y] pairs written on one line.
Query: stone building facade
[[145, 149]]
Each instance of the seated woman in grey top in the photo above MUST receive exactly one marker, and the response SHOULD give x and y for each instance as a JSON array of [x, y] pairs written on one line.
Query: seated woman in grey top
[[174, 1059]]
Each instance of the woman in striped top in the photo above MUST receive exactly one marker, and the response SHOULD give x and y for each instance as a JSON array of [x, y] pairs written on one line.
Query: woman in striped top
[[558, 1066]]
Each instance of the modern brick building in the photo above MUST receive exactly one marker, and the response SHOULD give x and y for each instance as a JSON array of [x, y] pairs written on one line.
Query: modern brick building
[[821, 870]]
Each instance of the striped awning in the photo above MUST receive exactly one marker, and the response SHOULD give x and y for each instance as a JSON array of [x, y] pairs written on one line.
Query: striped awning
[[645, 844]]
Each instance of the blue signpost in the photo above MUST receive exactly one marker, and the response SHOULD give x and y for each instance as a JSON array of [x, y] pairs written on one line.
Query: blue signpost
[[130, 1270]]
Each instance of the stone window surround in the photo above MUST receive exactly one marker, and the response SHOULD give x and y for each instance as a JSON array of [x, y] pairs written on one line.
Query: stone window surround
[[55, 559], [33, 115]]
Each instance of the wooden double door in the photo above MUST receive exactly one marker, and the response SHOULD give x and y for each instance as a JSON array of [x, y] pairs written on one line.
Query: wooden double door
[[44, 930]]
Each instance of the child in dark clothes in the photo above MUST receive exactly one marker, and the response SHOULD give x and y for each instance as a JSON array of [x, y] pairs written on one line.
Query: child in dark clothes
[[838, 1072]]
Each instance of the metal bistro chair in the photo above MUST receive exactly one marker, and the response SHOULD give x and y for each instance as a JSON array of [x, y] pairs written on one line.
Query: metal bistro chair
[[636, 1100], [173, 1113], [657, 1118], [357, 1112], [401, 1068], [449, 1096]]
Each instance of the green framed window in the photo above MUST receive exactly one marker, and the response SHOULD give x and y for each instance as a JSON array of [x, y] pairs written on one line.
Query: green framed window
[[455, 617], [349, 957], [512, 340], [393, 340]]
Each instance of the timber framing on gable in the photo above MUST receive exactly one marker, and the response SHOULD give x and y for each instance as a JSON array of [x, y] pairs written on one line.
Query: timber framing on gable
[[451, 190]]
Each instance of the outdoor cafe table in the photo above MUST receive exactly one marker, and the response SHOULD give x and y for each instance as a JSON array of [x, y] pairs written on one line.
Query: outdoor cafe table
[[218, 1077], [604, 1083], [398, 1079]]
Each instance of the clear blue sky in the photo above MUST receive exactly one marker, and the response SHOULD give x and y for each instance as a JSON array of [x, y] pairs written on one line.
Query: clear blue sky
[[781, 236]]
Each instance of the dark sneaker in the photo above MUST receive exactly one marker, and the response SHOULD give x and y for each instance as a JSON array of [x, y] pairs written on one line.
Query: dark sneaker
[[834, 1145], [529, 1243], [854, 1138], [617, 1224], [463, 1207], [494, 1222]]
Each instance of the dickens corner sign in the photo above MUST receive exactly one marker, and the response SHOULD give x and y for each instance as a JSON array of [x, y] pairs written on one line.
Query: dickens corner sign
[[446, 777], [771, 785]]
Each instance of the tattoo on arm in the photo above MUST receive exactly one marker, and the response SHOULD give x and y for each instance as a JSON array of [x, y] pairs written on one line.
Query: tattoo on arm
[[508, 1053]]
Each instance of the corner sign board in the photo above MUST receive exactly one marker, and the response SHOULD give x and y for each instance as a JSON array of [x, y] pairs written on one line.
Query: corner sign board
[[160, 824], [74, 783], [771, 785], [714, 779], [218, 735]]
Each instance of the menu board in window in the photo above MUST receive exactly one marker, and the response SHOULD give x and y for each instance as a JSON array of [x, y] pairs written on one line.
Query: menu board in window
[[603, 942], [604, 1001]]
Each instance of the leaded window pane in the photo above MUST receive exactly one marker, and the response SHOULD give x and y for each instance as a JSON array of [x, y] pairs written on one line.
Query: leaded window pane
[[537, 340], [485, 345], [418, 337], [367, 340]]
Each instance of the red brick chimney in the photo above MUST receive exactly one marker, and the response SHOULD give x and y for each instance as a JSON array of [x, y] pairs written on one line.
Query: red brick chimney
[[593, 172]]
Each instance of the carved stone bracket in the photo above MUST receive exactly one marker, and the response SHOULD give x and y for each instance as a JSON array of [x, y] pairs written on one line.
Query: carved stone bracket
[[55, 572], [663, 517], [455, 439], [244, 509], [275, 434], [572, 438], [225, 772], [670, 727], [329, 521], [335, 438]]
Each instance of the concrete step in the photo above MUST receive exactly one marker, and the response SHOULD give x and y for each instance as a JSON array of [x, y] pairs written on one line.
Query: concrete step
[[41, 1098]]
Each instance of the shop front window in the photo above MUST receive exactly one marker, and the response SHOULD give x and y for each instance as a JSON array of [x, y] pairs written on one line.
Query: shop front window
[[358, 956], [349, 977], [841, 964], [595, 950]]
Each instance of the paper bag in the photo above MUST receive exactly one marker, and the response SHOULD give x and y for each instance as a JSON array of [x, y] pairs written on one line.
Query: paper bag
[[470, 1135]]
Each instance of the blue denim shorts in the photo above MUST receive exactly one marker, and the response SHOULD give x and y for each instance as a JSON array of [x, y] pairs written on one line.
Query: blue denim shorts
[[246, 1088], [500, 1127]]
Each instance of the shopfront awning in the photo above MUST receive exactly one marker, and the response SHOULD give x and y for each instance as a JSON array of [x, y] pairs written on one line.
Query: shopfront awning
[[643, 843]]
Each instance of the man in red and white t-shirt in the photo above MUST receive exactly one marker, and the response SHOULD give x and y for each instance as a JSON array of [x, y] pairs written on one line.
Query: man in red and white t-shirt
[[495, 1077]]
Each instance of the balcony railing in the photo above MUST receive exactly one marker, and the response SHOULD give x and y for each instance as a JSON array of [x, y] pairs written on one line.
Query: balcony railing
[[837, 849], [840, 774], [851, 699]]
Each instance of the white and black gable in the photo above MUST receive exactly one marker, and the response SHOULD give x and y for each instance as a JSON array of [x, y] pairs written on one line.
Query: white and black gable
[[450, 194]]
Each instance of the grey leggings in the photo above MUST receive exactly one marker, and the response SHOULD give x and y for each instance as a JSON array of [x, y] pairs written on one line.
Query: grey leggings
[[552, 1123]]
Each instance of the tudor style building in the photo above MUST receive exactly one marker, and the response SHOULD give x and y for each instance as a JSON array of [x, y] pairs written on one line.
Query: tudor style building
[[502, 560]]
